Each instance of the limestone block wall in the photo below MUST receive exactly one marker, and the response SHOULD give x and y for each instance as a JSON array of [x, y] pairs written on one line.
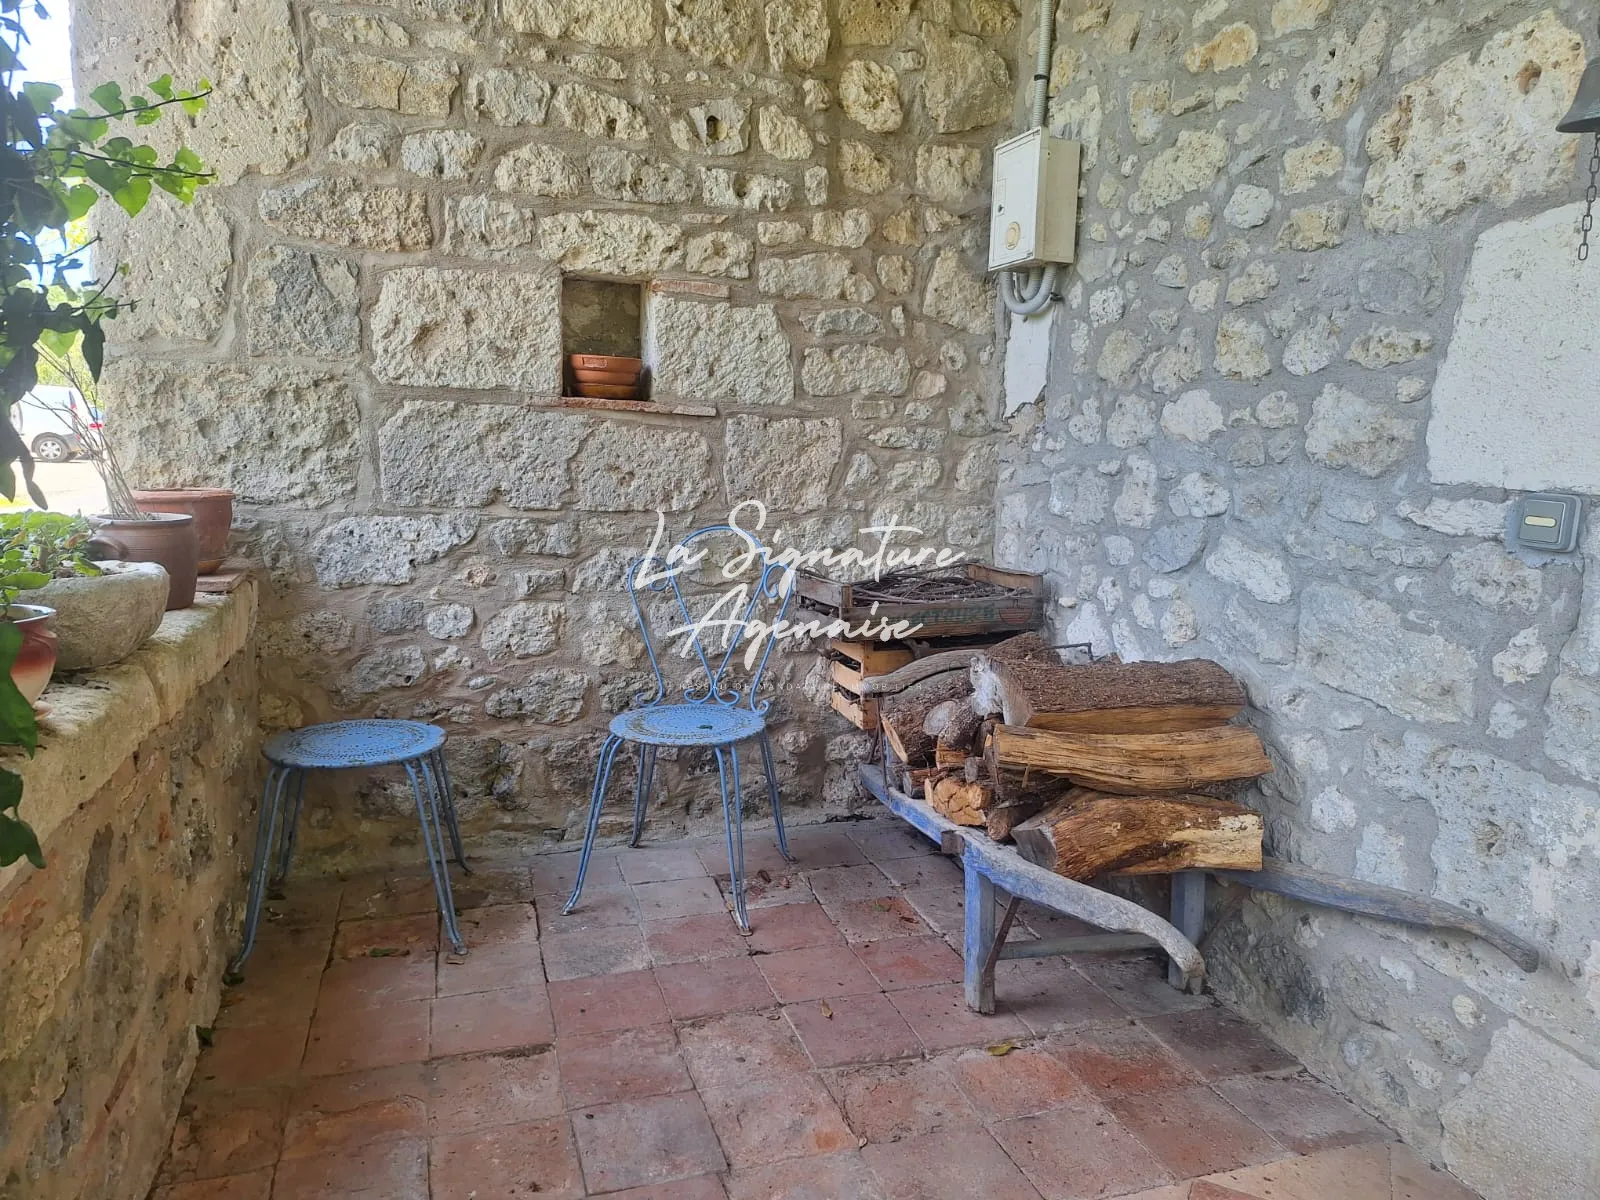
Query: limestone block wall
[[359, 328], [1327, 310], [142, 794]]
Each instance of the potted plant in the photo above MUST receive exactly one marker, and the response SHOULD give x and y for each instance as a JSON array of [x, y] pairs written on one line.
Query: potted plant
[[56, 164], [104, 611]]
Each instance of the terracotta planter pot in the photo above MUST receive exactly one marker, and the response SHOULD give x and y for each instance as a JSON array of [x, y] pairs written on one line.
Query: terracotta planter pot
[[37, 658], [101, 619], [165, 538], [212, 510]]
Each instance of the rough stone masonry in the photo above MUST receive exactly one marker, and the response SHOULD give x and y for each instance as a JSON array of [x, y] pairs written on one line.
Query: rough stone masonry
[[1326, 310], [359, 329]]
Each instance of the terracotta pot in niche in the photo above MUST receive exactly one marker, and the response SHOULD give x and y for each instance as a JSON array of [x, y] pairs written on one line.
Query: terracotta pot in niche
[[212, 510], [36, 658], [165, 538]]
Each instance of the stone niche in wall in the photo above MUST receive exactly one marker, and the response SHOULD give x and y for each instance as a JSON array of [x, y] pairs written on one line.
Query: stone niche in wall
[[1514, 403]]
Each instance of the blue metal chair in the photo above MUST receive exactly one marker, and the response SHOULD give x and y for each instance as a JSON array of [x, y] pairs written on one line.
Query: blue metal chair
[[414, 745], [716, 712]]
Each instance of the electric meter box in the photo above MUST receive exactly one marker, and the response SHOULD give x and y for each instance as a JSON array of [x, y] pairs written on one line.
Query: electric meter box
[[1034, 220]]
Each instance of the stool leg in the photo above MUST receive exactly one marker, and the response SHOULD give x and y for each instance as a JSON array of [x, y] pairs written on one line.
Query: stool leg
[[266, 833], [732, 825], [772, 791], [290, 829], [602, 776], [433, 844], [447, 804], [641, 797]]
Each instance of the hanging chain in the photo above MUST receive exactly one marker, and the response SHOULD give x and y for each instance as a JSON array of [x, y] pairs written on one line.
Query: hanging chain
[[1589, 199]]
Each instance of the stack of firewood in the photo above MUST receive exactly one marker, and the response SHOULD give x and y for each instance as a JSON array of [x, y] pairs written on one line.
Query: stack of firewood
[[1091, 767]]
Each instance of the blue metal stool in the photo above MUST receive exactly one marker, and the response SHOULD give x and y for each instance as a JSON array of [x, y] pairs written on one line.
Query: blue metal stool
[[715, 713], [414, 745]]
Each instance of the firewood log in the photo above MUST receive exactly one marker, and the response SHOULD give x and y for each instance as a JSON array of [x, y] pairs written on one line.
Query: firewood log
[[1132, 764], [1089, 833], [902, 724], [1023, 646], [959, 800], [1106, 697]]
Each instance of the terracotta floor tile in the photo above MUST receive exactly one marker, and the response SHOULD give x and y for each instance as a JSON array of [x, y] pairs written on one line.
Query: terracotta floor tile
[[489, 969], [1201, 1189], [892, 1101], [1416, 1180], [629, 1064], [769, 888], [256, 1185], [679, 898], [575, 954], [1352, 1173], [554, 874], [814, 972], [270, 997], [225, 1131], [1078, 1152], [1303, 1113], [942, 906], [509, 1162], [768, 1120], [880, 840], [597, 1003], [823, 846], [650, 865], [842, 1176], [281, 948], [852, 1029], [497, 924], [335, 1113], [719, 986], [387, 936], [360, 1039], [942, 1021], [1026, 1081], [483, 1090], [1193, 1131], [388, 1170], [902, 962], [1120, 1059], [251, 1056], [792, 927], [836, 885], [503, 1020], [640, 1143], [740, 1046], [373, 896], [878, 918], [1217, 1044], [950, 1165], [1137, 983], [1048, 994], [692, 939], [370, 982], [926, 869], [701, 1187], [600, 908], [492, 883]]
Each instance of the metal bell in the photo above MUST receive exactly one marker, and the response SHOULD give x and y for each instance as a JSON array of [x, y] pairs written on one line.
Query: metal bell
[[1584, 115]]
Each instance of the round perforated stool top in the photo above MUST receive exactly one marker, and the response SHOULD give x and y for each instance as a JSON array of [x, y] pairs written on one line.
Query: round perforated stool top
[[687, 725], [353, 744]]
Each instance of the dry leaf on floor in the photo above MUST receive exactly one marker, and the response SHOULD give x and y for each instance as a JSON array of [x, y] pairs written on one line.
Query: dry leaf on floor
[[826, 1011], [1000, 1049]]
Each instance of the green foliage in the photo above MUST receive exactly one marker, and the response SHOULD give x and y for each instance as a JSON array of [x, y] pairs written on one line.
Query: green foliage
[[18, 727], [56, 165], [36, 547]]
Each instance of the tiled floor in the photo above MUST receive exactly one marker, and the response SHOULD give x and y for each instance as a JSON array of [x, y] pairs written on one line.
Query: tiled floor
[[642, 1048]]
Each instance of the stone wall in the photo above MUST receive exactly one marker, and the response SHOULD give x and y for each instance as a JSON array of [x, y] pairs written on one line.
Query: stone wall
[[1297, 217], [359, 329], [141, 792]]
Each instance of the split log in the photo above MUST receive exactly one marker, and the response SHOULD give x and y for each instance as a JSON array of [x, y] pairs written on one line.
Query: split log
[[1023, 646], [902, 724], [1132, 764], [1106, 697], [1089, 833], [953, 725], [959, 800], [1018, 795]]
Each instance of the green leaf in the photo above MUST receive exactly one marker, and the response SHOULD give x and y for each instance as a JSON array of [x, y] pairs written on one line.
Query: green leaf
[[18, 726], [162, 87], [17, 840], [42, 96], [133, 195], [108, 96], [59, 341], [94, 350], [187, 160], [8, 482], [148, 116], [80, 199], [194, 105], [24, 580]]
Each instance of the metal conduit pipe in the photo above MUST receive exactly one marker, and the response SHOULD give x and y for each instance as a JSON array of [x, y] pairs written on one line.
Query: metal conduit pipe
[[1028, 294]]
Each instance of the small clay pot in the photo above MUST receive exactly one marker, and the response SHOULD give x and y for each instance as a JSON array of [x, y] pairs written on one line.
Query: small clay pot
[[37, 657], [605, 362], [101, 619], [165, 538], [212, 510]]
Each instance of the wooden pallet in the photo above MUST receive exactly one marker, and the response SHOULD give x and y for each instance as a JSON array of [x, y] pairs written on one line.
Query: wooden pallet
[[851, 662]]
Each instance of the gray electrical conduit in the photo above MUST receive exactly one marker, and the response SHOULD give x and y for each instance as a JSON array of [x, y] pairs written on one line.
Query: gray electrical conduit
[[1028, 295]]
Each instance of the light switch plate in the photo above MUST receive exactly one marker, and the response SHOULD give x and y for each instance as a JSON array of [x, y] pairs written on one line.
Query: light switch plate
[[1547, 522]]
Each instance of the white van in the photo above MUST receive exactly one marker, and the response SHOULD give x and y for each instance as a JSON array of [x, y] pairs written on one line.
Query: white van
[[44, 419]]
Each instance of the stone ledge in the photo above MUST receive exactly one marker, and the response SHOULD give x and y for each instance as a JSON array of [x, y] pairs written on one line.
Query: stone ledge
[[99, 718]]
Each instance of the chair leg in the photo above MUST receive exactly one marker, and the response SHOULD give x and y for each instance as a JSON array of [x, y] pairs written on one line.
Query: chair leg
[[266, 833], [732, 824], [447, 804], [772, 792], [433, 845], [602, 776], [641, 796], [290, 829]]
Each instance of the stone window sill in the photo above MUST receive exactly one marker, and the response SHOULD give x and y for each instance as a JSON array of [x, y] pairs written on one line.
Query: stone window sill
[[669, 408]]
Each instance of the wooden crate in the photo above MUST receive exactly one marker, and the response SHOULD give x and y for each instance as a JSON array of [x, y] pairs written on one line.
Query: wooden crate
[[1019, 608], [851, 662]]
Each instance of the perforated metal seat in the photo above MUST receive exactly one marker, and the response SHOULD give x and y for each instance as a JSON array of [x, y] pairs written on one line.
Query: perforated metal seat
[[352, 744], [688, 725]]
